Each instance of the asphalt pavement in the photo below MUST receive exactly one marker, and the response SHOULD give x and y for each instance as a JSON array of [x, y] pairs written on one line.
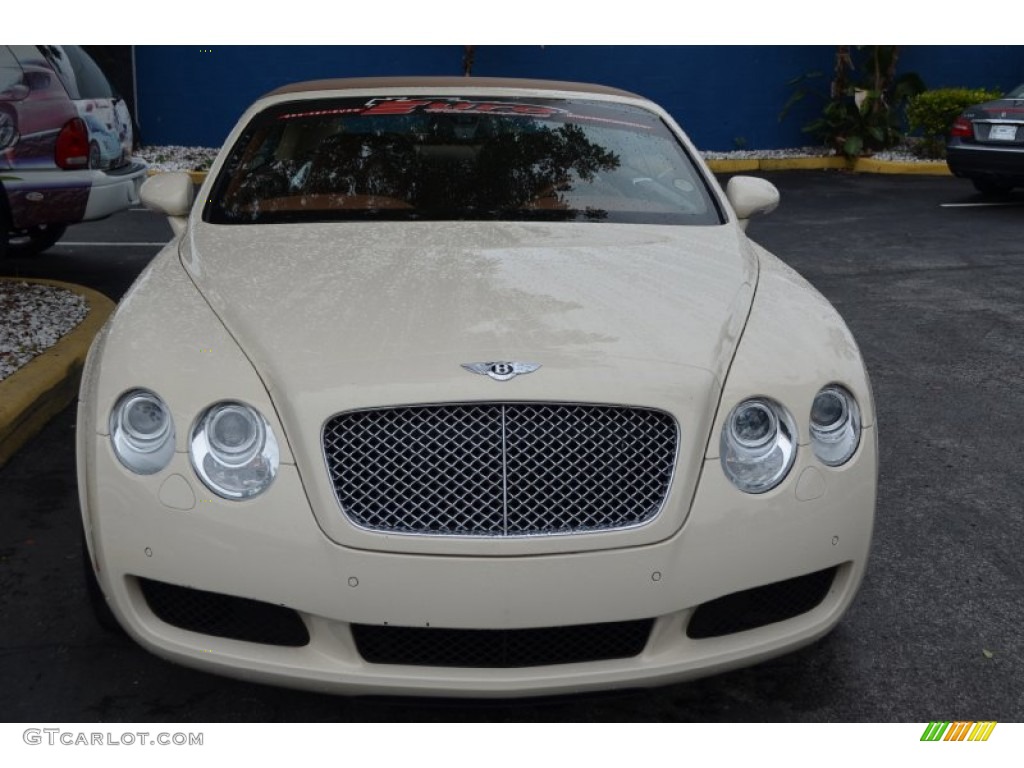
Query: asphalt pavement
[[932, 284]]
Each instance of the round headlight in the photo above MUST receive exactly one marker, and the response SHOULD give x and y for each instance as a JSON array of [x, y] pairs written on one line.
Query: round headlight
[[235, 434], [754, 426], [234, 450], [835, 425], [758, 445], [142, 432]]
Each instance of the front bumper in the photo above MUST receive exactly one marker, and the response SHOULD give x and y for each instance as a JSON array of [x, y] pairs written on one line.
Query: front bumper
[[167, 529]]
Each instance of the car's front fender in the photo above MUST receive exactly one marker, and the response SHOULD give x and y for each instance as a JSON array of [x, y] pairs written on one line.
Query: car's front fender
[[165, 338]]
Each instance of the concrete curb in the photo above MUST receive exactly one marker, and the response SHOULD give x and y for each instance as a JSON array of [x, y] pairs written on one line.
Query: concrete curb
[[858, 165], [38, 391], [198, 177], [870, 165]]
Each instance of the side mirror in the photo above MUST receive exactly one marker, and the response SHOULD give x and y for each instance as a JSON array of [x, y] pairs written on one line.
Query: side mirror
[[750, 196], [170, 194]]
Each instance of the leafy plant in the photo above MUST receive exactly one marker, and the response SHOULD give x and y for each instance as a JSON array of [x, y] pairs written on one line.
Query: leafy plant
[[933, 112], [863, 110]]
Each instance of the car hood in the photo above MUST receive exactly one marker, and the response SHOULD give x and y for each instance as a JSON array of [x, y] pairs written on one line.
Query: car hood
[[313, 305], [361, 315]]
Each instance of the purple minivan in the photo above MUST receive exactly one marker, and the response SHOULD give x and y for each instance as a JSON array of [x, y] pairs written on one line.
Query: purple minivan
[[65, 146]]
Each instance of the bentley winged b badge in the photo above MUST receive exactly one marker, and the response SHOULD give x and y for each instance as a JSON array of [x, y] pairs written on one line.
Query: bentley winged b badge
[[501, 371]]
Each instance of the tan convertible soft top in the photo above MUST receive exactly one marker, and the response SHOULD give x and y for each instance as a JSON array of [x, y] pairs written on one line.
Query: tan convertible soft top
[[370, 83]]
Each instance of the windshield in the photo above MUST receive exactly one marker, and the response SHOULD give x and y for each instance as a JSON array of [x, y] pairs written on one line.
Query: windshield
[[459, 158], [1016, 93]]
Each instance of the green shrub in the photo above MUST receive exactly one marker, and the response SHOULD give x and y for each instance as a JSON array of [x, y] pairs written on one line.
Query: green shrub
[[933, 112], [864, 106]]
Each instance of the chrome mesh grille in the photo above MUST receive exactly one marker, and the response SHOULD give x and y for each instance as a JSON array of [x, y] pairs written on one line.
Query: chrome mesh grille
[[495, 469]]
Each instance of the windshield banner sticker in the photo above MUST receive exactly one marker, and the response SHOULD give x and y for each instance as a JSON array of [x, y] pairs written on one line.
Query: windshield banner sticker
[[408, 106], [403, 105]]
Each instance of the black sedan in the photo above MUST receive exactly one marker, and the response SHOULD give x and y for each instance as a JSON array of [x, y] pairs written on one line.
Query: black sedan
[[986, 144]]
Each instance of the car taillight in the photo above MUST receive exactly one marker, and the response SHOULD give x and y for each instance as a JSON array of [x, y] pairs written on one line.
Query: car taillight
[[962, 128], [73, 145]]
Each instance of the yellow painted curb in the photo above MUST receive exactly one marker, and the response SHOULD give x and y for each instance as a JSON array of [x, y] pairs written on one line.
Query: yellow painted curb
[[198, 177], [803, 163], [38, 391], [870, 165], [830, 162], [733, 166]]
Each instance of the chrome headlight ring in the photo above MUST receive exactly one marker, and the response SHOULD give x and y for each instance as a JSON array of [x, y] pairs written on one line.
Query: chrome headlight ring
[[234, 451], [142, 431]]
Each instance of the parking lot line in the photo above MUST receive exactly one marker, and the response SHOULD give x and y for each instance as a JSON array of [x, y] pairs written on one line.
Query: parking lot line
[[983, 205], [109, 245]]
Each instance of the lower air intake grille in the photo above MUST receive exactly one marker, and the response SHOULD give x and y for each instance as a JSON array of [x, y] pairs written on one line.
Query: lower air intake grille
[[236, 618], [500, 469], [495, 649], [760, 606]]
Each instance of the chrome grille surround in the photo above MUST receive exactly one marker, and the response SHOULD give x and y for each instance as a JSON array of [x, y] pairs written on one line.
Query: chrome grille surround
[[501, 469]]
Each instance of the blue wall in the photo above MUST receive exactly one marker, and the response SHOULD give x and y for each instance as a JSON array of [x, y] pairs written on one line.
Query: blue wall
[[725, 97]]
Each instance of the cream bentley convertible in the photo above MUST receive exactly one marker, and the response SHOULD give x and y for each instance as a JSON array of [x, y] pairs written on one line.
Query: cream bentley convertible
[[471, 387]]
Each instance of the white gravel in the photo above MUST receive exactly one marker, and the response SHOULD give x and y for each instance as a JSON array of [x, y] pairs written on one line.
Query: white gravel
[[173, 158], [33, 318], [762, 154], [900, 154]]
